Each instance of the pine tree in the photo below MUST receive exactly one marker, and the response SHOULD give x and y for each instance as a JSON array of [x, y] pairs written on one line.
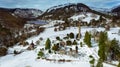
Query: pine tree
[[114, 49], [87, 38], [102, 45], [48, 44]]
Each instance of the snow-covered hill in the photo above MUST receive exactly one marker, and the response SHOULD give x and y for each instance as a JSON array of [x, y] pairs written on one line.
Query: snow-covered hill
[[86, 17], [73, 6], [64, 11]]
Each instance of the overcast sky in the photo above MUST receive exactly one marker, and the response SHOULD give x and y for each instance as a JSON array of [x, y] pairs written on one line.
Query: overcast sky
[[44, 4]]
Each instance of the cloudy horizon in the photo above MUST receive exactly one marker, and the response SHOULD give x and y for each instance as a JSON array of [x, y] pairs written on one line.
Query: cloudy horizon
[[43, 5]]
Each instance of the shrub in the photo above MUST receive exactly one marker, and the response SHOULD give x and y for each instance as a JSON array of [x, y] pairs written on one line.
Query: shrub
[[74, 42], [55, 29], [57, 44], [71, 35], [68, 42], [26, 43], [40, 54], [57, 38], [55, 47], [39, 30], [3, 51], [92, 61], [66, 38], [91, 56], [40, 38], [68, 35], [37, 42], [50, 51]]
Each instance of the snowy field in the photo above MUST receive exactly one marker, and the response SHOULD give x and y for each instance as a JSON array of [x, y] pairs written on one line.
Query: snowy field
[[28, 58]]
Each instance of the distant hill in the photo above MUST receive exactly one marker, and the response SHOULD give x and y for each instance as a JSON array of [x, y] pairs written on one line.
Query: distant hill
[[64, 11], [23, 12], [116, 10]]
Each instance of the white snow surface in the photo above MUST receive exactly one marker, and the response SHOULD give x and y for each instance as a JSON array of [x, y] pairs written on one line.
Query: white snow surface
[[28, 58]]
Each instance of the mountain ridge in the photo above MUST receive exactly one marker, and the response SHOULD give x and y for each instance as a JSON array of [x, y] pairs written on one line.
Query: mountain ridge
[[23, 12], [65, 10]]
